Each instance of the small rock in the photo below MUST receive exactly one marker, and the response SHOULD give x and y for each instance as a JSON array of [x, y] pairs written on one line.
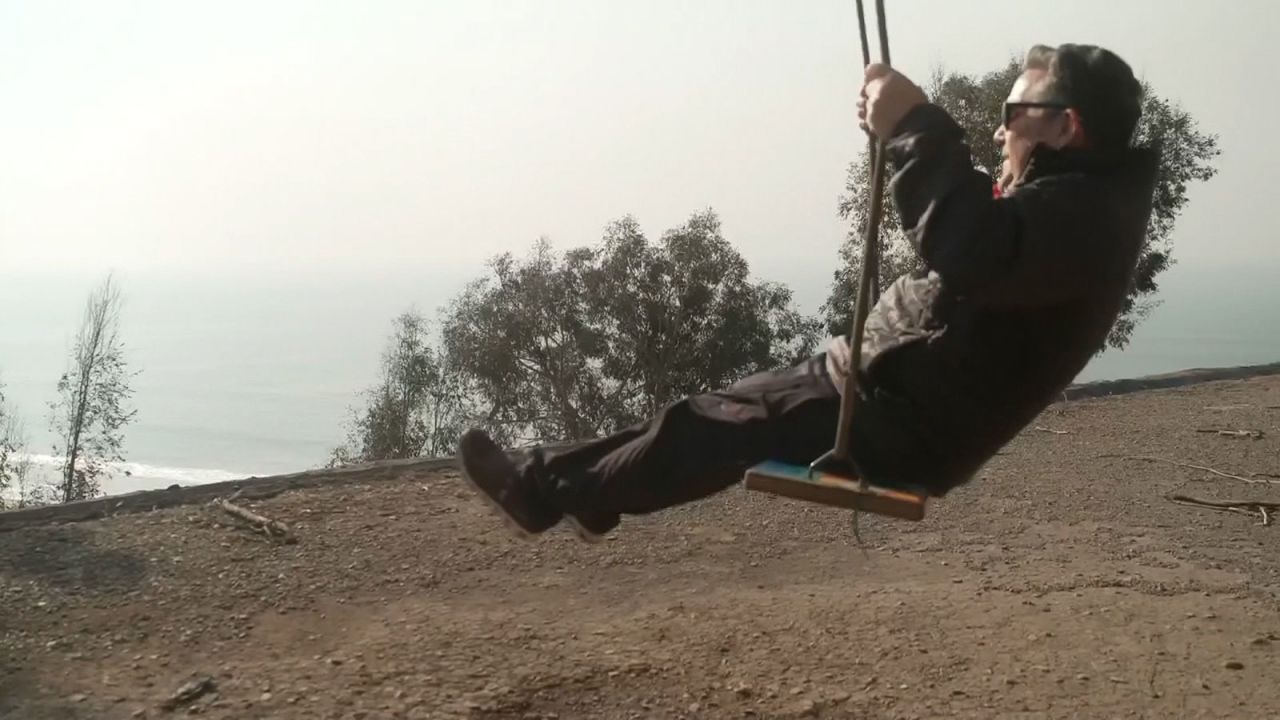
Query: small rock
[[1260, 641], [1082, 676], [1233, 665], [78, 698]]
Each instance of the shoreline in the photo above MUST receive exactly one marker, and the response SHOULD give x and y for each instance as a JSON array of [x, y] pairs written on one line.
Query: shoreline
[[1162, 381], [262, 487]]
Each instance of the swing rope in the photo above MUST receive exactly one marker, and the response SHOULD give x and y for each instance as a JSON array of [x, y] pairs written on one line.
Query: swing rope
[[868, 283], [832, 478]]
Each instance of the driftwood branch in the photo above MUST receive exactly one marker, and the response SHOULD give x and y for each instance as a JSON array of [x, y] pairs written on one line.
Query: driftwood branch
[[273, 529], [1251, 434], [1204, 468], [189, 692], [1244, 507], [1051, 430]]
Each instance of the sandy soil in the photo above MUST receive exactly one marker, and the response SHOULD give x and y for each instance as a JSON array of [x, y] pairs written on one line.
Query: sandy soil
[[1063, 583]]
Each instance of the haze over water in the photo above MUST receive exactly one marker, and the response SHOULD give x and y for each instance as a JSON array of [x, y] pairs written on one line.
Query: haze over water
[[272, 183]]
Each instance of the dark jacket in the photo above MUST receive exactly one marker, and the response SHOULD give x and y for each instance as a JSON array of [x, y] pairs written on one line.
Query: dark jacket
[[1018, 293]]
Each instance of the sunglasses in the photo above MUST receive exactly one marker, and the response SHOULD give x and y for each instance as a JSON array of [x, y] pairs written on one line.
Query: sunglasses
[[1010, 107]]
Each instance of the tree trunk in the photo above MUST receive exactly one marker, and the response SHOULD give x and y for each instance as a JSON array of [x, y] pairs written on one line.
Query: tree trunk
[[86, 363], [77, 422], [401, 452]]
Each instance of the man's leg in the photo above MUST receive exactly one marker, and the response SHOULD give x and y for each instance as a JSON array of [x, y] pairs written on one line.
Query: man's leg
[[694, 448]]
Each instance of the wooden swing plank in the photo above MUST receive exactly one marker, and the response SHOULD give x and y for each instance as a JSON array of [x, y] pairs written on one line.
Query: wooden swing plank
[[794, 481]]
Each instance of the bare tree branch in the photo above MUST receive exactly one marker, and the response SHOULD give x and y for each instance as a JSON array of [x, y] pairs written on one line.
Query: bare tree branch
[[90, 413]]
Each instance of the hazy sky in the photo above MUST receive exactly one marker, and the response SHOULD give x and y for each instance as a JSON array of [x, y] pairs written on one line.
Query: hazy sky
[[162, 136]]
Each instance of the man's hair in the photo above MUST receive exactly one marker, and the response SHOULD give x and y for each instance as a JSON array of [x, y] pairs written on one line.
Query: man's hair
[[1098, 84]]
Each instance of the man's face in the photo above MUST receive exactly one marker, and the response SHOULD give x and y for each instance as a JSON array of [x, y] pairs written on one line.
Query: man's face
[[1029, 126]]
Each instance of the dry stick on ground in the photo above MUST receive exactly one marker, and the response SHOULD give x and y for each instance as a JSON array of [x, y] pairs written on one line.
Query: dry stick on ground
[[273, 529], [190, 691], [1244, 507], [1254, 434], [1149, 458], [1050, 430]]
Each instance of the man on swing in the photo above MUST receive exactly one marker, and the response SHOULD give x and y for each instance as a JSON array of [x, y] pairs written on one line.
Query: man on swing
[[1021, 287]]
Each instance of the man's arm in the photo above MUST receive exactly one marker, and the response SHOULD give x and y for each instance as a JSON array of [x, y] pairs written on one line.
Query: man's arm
[[1032, 247]]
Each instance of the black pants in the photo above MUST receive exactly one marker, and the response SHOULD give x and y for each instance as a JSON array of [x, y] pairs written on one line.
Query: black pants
[[697, 446]]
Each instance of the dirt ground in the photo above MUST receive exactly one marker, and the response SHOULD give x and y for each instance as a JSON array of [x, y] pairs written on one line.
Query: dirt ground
[[1061, 584]]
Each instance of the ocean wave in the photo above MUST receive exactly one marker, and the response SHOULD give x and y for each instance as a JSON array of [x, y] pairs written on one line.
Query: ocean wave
[[46, 464]]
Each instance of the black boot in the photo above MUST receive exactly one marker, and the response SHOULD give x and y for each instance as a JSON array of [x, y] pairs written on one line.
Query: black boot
[[515, 495], [591, 525]]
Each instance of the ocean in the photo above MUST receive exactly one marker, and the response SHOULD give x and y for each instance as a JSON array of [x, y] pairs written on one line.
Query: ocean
[[255, 374], [250, 375]]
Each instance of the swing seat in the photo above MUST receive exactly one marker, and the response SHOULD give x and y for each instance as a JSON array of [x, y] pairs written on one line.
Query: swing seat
[[825, 488]]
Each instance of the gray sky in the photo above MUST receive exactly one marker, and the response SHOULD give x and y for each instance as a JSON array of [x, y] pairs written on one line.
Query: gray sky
[[307, 136]]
